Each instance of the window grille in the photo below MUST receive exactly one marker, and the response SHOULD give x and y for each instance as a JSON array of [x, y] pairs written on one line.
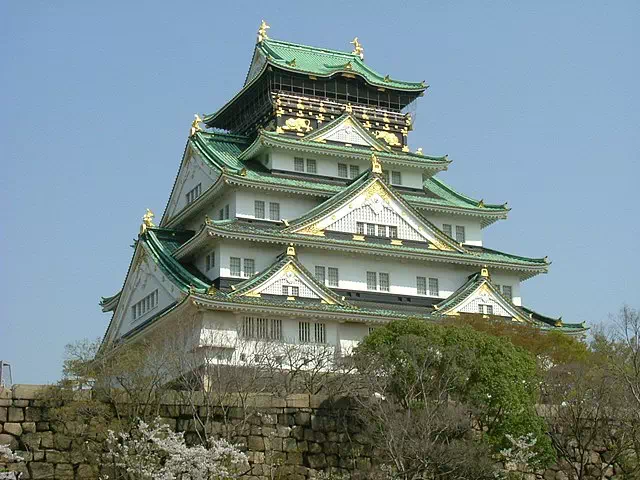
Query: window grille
[[460, 234], [262, 328], [259, 209], [489, 309], [434, 288], [145, 305], [371, 230], [298, 164], [396, 178], [507, 291], [372, 281], [304, 332], [360, 228], [446, 228], [421, 285], [342, 170], [384, 282], [320, 332], [320, 274], [226, 211], [274, 211], [234, 267], [382, 230], [333, 277], [210, 261], [312, 166], [193, 193], [221, 215], [249, 267], [393, 232], [290, 291], [485, 309], [354, 171]]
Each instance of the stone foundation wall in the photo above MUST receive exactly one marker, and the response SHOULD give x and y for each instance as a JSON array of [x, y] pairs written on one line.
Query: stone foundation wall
[[292, 438]]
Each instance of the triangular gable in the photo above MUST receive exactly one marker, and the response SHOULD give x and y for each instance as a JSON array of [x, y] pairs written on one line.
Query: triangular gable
[[370, 200], [348, 130], [193, 171], [479, 290], [286, 272]]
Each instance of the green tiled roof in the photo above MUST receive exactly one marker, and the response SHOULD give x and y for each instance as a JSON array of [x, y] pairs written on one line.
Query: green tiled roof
[[444, 191], [323, 62], [222, 150]]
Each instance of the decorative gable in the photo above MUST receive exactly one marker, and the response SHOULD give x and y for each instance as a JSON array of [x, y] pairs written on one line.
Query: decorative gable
[[289, 278], [346, 129], [374, 208]]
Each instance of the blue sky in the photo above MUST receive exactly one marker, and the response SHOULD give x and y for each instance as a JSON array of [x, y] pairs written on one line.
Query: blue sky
[[536, 103]]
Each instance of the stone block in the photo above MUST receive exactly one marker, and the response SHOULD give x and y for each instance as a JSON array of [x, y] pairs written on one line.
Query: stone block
[[47, 439], [21, 403], [28, 392], [303, 446], [302, 418], [14, 429], [64, 471], [40, 470], [298, 400], [282, 431], [314, 447], [317, 401], [16, 414], [255, 444], [38, 456], [317, 461], [297, 432], [29, 427], [293, 458], [88, 472], [3, 414], [6, 439], [53, 456], [42, 426], [32, 440], [289, 445]]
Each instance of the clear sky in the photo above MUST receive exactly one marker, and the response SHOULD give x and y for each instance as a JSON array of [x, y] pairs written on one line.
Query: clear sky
[[536, 103]]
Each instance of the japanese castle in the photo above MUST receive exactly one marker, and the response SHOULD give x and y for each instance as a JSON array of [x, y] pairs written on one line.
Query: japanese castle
[[300, 214]]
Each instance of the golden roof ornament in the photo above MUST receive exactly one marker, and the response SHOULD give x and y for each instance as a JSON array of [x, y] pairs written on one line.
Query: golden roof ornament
[[147, 221], [262, 31], [357, 48], [376, 166], [419, 151], [291, 250], [195, 125], [484, 272]]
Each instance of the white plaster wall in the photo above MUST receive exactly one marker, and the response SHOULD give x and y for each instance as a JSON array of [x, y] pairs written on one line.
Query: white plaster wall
[[263, 254], [512, 281], [327, 165], [193, 172], [291, 206], [201, 262], [472, 227], [213, 211]]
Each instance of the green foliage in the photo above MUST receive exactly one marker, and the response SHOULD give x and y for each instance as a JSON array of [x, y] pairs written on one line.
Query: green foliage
[[496, 379]]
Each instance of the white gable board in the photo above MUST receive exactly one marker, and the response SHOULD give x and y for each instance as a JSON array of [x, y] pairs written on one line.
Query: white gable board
[[485, 296], [346, 132]]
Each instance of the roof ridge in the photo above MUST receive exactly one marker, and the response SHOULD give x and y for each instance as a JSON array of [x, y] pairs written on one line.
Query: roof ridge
[[440, 183], [311, 47]]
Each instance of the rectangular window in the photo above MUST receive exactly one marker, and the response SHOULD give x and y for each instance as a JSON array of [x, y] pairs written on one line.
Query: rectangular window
[[210, 261], [226, 212], [371, 230], [393, 232], [312, 167], [507, 291], [485, 309], [460, 234], [434, 288], [384, 282], [263, 328], [382, 230], [489, 309], [249, 267], [360, 228], [396, 178], [446, 228], [354, 171], [258, 209], [421, 285], [342, 170], [148, 303], [290, 291], [320, 332], [248, 327], [193, 193], [320, 274], [234, 267], [385, 175], [333, 277], [221, 216], [304, 332], [274, 211], [372, 281], [298, 164]]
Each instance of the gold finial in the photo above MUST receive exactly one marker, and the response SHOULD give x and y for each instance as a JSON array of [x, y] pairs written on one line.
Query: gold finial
[[262, 31], [481, 203], [211, 290], [387, 79], [558, 322], [195, 125], [348, 108], [419, 151], [147, 221], [357, 48], [291, 63], [376, 166], [291, 251], [207, 220], [484, 272], [348, 65]]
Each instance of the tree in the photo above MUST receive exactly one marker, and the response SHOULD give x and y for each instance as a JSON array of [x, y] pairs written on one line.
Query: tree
[[439, 398]]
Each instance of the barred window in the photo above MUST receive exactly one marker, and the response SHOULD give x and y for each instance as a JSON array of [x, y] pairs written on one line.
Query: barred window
[[226, 211], [298, 164], [320, 332], [274, 211], [393, 232], [221, 215], [421, 285], [145, 305], [507, 291], [320, 274], [489, 309], [342, 170], [460, 234], [396, 178], [333, 277], [354, 171], [384, 282], [312, 332], [263, 328], [259, 209], [304, 332], [193, 193], [210, 261], [372, 281], [311, 166], [434, 288], [446, 228], [371, 230], [360, 228], [486, 309], [234, 267], [249, 267]]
